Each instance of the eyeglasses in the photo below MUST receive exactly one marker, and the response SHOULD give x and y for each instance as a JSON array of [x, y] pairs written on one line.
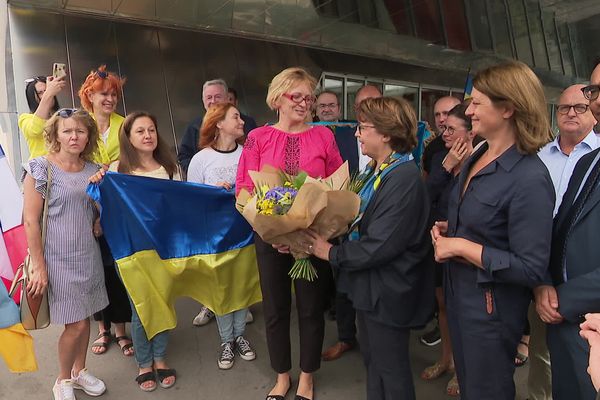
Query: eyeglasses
[[324, 106], [36, 79], [451, 130], [101, 74], [591, 92], [298, 98], [364, 126], [579, 108], [68, 112]]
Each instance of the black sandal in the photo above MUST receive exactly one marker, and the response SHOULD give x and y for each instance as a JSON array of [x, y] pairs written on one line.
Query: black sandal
[[164, 374], [146, 377], [125, 347], [102, 345]]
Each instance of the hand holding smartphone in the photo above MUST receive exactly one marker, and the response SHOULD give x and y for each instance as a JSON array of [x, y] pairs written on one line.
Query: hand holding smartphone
[[59, 70]]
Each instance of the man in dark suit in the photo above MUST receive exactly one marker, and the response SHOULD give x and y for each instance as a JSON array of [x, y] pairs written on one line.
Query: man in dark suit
[[575, 270], [213, 92], [328, 109]]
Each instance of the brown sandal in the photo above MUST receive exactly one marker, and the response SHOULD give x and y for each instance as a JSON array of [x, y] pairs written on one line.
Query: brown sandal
[[452, 389], [126, 349], [100, 343]]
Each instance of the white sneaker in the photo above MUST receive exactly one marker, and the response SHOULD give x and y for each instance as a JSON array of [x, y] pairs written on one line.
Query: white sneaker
[[249, 317], [87, 382], [244, 349], [63, 390], [203, 317], [227, 357]]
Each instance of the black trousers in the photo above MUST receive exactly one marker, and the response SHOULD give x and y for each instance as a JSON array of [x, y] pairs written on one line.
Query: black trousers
[[119, 308], [345, 317], [569, 354], [311, 302], [385, 352]]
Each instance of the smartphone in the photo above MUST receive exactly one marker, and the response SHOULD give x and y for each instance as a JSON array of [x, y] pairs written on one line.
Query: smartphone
[[59, 70]]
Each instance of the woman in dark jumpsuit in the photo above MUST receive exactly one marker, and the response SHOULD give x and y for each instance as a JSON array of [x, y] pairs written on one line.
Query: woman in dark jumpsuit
[[497, 238]]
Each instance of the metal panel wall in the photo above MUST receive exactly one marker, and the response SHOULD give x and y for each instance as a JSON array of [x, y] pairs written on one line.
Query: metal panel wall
[[165, 68]]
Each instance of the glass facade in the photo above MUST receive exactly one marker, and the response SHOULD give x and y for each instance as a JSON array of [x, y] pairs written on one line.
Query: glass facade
[[526, 30], [421, 97]]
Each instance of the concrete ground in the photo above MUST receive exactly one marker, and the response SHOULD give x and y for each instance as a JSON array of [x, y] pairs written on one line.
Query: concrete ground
[[193, 352]]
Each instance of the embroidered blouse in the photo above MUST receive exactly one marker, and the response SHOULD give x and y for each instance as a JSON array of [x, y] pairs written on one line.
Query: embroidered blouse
[[313, 151]]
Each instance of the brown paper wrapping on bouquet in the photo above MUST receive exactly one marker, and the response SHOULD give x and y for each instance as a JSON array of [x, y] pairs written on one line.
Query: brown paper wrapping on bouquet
[[321, 204]]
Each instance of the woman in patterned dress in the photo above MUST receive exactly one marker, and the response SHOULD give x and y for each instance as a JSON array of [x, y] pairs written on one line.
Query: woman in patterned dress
[[68, 265], [294, 146]]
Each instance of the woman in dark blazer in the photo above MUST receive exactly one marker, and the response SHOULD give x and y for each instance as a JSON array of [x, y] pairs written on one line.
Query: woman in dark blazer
[[497, 238], [384, 265]]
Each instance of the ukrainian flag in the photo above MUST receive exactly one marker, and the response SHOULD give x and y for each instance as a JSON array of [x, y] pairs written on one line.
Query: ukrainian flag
[[468, 86], [16, 345], [173, 239]]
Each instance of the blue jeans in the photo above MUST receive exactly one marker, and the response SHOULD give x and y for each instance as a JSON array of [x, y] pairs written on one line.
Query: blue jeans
[[147, 351], [231, 325]]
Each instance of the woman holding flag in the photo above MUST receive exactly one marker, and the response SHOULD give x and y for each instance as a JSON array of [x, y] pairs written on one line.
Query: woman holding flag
[[68, 264], [142, 153], [99, 95]]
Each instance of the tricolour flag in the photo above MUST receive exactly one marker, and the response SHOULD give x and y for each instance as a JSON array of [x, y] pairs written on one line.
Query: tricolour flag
[[173, 239], [13, 244]]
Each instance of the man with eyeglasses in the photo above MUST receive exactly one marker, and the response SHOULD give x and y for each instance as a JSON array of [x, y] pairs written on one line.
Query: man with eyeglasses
[[574, 265], [327, 109], [213, 92], [592, 91], [575, 139]]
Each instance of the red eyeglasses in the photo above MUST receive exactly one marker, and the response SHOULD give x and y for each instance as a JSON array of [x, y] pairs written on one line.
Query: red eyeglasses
[[298, 98]]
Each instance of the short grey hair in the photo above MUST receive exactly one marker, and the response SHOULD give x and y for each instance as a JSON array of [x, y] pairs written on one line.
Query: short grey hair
[[218, 81]]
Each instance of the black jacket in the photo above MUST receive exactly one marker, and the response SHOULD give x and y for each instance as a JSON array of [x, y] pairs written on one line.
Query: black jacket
[[388, 273]]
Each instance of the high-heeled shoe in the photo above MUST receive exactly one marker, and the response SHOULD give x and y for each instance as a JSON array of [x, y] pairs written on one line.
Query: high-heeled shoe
[[278, 396]]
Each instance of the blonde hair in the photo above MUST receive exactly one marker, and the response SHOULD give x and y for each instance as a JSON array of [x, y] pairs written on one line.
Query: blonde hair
[[286, 80], [392, 117], [81, 116], [514, 84]]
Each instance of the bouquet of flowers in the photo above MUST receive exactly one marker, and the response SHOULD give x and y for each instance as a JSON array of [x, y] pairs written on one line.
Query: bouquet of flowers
[[283, 205]]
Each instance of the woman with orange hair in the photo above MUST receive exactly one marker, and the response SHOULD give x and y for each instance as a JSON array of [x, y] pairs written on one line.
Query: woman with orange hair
[[216, 164], [99, 95]]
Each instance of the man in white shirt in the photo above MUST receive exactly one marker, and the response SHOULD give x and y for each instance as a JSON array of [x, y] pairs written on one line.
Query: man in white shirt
[[576, 138]]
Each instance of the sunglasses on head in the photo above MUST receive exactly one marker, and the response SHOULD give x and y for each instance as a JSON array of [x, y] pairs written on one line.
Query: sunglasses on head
[[101, 74], [36, 79], [68, 112]]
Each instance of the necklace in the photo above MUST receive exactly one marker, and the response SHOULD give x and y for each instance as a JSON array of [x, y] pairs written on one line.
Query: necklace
[[69, 167]]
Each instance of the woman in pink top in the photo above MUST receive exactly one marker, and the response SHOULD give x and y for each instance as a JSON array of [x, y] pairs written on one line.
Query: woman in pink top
[[292, 145]]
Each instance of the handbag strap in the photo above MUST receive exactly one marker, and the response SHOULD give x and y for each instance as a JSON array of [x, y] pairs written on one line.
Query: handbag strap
[[45, 212]]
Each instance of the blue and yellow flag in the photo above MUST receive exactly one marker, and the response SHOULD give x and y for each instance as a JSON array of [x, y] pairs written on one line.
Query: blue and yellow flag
[[468, 86], [16, 345], [173, 239]]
